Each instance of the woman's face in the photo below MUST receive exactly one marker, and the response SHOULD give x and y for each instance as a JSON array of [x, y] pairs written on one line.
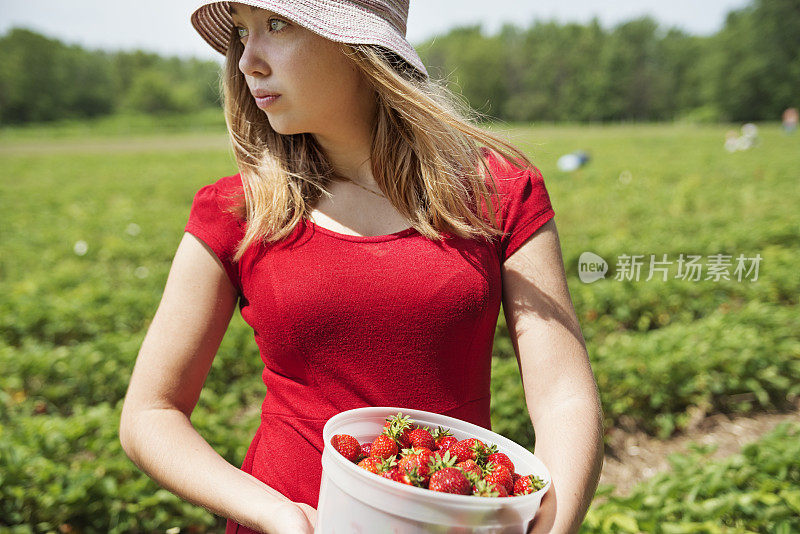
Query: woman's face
[[320, 88]]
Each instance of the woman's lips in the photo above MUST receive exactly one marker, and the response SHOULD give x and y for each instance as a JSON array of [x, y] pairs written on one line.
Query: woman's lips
[[264, 101]]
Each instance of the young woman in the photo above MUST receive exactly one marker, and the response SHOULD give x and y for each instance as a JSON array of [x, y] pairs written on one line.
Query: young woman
[[369, 238]]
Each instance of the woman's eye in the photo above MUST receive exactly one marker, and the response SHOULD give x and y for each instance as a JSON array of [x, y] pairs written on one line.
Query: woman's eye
[[273, 21], [274, 26]]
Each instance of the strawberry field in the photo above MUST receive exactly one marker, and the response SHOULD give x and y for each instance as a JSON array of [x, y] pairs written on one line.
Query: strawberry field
[[93, 212]]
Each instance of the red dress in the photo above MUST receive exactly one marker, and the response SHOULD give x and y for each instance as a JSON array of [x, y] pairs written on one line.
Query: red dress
[[345, 322]]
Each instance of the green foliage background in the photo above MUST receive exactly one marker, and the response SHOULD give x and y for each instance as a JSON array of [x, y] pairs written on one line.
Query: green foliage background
[[71, 325], [635, 71]]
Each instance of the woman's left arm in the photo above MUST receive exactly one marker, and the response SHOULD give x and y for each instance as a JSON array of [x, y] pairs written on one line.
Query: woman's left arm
[[560, 388]]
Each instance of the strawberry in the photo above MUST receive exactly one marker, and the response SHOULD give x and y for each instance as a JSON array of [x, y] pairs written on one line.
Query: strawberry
[[410, 478], [417, 464], [395, 473], [499, 488], [347, 446], [487, 451], [470, 466], [468, 449], [415, 450], [502, 459], [528, 484], [389, 473], [442, 435], [371, 464], [444, 443], [383, 447], [499, 474], [410, 454], [387, 467], [420, 437], [482, 488], [450, 480], [397, 428], [440, 461]]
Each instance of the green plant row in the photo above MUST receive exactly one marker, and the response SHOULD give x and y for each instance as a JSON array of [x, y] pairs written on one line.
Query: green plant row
[[736, 361], [733, 362], [612, 306], [57, 470], [755, 491], [56, 380], [72, 471]]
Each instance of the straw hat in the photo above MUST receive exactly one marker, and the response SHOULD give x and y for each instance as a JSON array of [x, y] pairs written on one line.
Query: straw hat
[[376, 22]]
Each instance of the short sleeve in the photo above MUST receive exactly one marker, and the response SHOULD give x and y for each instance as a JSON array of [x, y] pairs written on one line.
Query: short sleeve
[[523, 208], [219, 229]]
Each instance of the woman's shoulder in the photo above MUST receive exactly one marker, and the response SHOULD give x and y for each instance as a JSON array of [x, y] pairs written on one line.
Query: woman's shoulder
[[225, 194], [228, 184], [504, 169], [524, 202], [515, 179], [213, 220], [219, 203]]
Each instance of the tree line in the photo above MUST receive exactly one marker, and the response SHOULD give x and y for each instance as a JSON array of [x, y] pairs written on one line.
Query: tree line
[[749, 70], [43, 79]]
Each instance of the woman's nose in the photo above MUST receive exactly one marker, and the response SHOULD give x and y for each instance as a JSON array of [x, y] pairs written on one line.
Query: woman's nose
[[253, 61]]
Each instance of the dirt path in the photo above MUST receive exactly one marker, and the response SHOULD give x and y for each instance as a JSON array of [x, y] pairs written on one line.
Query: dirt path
[[93, 145], [635, 456]]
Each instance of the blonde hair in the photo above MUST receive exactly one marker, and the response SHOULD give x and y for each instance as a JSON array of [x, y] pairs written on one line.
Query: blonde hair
[[426, 154]]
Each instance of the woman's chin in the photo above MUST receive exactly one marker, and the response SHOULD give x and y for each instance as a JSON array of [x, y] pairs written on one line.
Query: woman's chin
[[281, 127]]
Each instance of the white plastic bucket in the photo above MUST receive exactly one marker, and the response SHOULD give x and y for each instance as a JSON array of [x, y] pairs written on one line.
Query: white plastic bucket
[[355, 501]]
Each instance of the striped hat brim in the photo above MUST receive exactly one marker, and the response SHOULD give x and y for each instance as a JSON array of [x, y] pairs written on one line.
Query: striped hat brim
[[338, 20]]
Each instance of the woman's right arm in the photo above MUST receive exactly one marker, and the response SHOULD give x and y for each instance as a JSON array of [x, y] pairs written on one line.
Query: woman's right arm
[[171, 368]]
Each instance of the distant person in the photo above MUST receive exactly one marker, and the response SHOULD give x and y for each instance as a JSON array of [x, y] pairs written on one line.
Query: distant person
[[732, 140], [790, 118], [573, 161], [749, 138], [359, 241]]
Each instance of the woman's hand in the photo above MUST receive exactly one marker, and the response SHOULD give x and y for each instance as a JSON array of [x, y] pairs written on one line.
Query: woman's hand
[[542, 522], [290, 518]]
